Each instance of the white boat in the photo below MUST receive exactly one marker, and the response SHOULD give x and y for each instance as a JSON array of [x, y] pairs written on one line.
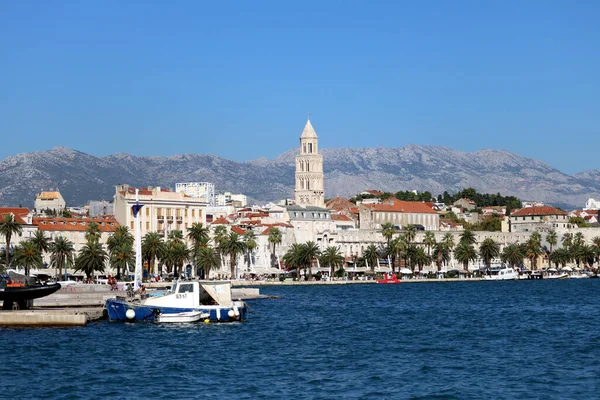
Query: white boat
[[501, 274], [208, 297], [563, 275], [187, 316]]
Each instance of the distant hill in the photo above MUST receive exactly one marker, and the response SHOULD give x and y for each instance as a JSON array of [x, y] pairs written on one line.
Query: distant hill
[[82, 177]]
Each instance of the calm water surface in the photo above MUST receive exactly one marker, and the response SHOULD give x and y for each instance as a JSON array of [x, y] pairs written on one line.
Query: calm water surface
[[471, 340]]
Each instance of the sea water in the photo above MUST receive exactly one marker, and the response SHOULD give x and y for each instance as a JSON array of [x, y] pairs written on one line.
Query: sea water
[[460, 340]]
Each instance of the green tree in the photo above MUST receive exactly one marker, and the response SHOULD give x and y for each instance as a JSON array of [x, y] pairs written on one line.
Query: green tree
[[388, 230], [293, 258], [332, 258], [371, 255], [513, 255], [41, 242], [468, 237], [153, 247], [533, 249], [429, 241], [249, 246], [465, 253], [560, 257], [552, 239], [579, 221], [198, 234], [567, 240], [207, 259], [62, 251], [176, 255], [421, 258], [489, 249], [275, 238], [220, 239], [91, 258], [9, 227], [309, 252], [28, 256], [122, 257], [398, 249], [441, 254], [234, 246], [92, 232]]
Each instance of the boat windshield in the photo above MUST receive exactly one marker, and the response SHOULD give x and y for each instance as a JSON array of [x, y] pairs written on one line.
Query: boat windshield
[[186, 288]]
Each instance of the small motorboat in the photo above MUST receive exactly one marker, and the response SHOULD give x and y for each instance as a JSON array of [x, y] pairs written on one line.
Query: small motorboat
[[389, 278], [17, 295], [186, 316]]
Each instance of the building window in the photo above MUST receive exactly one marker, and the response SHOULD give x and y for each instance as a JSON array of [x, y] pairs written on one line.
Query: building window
[[147, 212], [131, 225], [147, 226]]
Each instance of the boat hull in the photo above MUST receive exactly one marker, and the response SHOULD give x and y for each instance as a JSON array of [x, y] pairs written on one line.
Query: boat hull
[[117, 311]]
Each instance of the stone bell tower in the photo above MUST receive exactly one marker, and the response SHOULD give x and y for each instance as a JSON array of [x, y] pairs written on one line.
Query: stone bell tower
[[309, 170]]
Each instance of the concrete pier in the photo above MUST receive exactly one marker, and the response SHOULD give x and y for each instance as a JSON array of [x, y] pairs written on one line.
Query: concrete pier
[[49, 318]]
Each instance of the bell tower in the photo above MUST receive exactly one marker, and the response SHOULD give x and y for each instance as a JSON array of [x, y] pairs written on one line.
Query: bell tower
[[309, 170]]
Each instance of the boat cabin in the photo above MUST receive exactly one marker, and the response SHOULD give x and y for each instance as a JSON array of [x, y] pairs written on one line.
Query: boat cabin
[[193, 294]]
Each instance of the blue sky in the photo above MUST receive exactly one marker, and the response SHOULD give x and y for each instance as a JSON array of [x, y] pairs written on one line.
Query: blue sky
[[236, 79]]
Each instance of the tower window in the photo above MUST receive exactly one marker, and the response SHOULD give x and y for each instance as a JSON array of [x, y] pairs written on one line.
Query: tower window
[[310, 147]]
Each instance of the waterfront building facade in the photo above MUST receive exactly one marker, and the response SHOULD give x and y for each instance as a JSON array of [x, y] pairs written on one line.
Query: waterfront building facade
[[163, 210], [538, 218], [400, 214], [310, 189]]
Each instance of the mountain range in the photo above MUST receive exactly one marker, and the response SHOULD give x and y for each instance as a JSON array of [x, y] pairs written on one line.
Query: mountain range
[[81, 177]]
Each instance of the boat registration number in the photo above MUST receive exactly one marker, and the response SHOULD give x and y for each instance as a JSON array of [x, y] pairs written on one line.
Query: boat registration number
[[181, 295]]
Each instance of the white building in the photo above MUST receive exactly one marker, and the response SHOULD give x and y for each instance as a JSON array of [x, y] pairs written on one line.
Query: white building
[[204, 190], [51, 200], [592, 204], [228, 198], [163, 210]]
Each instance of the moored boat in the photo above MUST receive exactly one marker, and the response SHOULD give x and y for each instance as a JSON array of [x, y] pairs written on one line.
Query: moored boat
[[389, 278], [209, 297], [501, 274], [182, 317], [17, 295]]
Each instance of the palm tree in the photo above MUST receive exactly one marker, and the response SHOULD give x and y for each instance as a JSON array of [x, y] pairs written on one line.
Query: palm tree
[[233, 246], [206, 259], [397, 249], [249, 245], [489, 249], [198, 234], [175, 235], [91, 258], [388, 230], [309, 252], [560, 257], [120, 249], [220, 238], [552, 239], [533, 250], [293, 258], [567, 240], [596, 246], [468, 237], [92, 232], [441, 254], [275, 238], [153, 247], [410, 232], [513, 255], [122, 257], [28, 256], [9, 227], [465, 253], [421, 258], [61, 250], [176, 254], [429, 241], [41, 242], [371, 255], [448, 241], [332, 258], [578, 239]]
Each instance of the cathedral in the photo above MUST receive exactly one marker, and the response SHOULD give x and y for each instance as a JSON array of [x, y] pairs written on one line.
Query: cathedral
[[309, 170]]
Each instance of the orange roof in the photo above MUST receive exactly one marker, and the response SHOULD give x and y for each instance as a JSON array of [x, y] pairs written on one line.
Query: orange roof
[[340, 217], [75, 224], [537, 210], [19, 213], [220, 221], [402, 207], [238, 230], [339, 203]]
